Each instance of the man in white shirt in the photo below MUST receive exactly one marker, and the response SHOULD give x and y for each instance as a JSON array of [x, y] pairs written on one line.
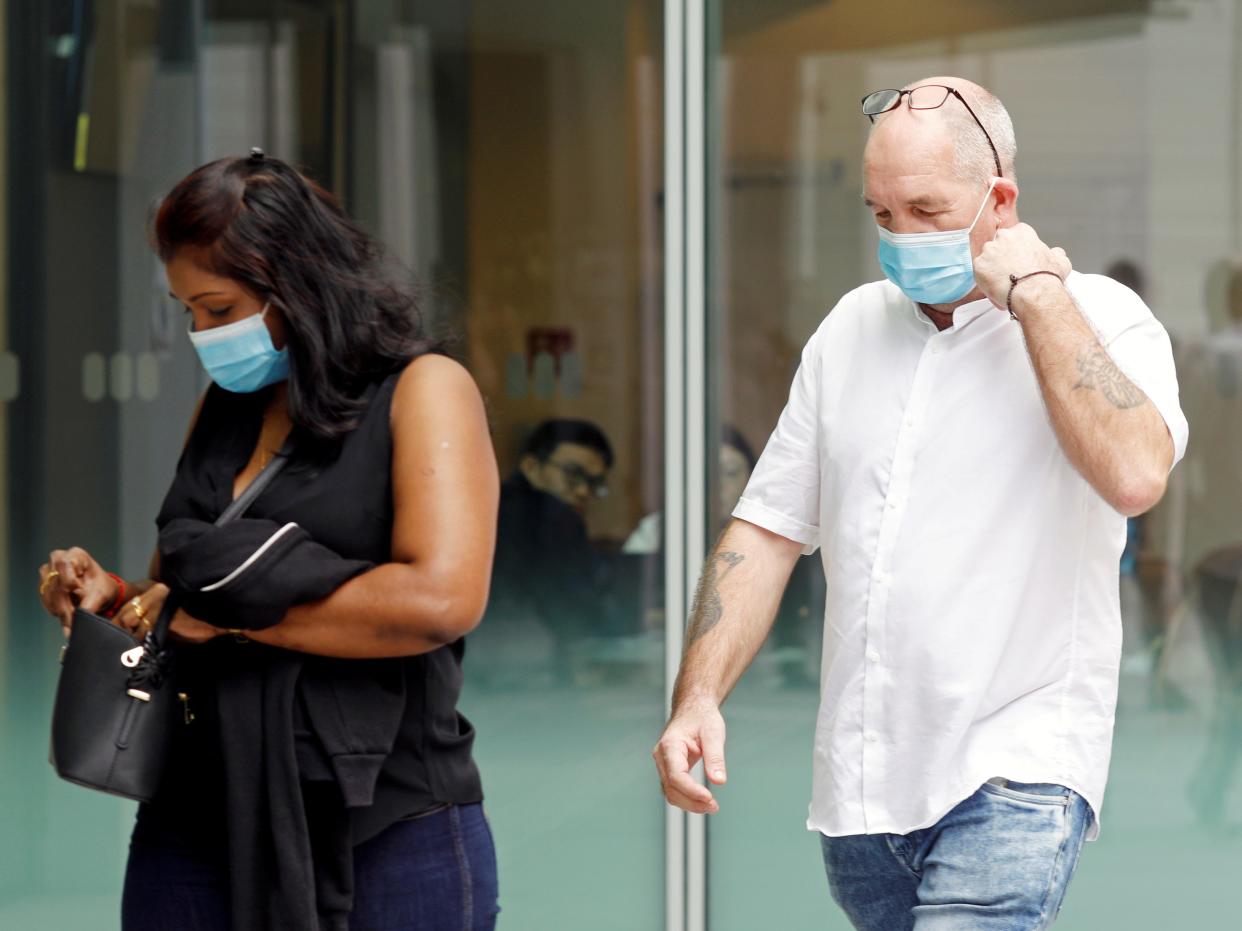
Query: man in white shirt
[[964, 441]]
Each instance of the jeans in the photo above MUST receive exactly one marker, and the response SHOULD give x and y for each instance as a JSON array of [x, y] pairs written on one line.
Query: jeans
[[436, 872], [1000, 861]]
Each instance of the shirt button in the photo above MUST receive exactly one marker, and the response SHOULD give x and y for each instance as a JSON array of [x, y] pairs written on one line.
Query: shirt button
[[892, 504], [935, 350], [870, 737], [873, 656]]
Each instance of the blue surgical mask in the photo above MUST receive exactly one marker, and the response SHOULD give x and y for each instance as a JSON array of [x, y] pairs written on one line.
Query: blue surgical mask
[[240, 356], [931, 268]]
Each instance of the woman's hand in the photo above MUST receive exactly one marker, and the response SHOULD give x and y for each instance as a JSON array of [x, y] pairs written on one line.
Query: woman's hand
[[71, 579], [139, 613]]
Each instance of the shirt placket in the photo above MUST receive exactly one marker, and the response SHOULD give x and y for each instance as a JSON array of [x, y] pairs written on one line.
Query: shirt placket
[[877, 674]]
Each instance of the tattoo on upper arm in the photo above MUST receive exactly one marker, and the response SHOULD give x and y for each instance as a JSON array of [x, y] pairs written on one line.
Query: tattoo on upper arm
[[1097, 370], [708, 605]]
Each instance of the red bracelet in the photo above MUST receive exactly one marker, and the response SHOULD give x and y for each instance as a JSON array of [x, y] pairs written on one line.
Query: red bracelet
[[120, 595]]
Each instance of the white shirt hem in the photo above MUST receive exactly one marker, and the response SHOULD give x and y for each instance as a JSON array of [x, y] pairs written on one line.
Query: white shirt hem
[[1093, 831]]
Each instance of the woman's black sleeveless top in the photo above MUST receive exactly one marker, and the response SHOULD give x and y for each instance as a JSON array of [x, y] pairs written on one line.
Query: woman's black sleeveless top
[[343, 499]]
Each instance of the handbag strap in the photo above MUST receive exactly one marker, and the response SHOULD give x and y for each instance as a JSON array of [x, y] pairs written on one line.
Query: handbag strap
[[255, 488], [158, 633]]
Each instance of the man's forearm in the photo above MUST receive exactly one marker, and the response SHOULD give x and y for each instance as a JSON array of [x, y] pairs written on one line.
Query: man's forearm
[[1108, 427], [734, 607]]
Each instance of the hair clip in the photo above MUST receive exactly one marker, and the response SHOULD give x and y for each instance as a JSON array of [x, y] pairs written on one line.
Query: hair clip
[[256, 154]]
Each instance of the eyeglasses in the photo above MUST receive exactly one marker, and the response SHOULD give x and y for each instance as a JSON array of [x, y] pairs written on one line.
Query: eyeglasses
[[597, 485], [923, 97]]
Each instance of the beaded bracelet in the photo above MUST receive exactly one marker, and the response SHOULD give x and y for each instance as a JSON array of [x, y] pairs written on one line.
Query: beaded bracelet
[[1013, 283]]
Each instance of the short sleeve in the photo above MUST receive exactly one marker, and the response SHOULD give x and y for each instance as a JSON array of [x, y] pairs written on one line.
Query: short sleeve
[[783, 492], [1142, 350]]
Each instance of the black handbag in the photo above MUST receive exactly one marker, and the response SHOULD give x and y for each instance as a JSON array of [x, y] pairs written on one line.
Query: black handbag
[[115, 704]]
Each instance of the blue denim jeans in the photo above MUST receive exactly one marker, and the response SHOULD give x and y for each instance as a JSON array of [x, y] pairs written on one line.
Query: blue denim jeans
[[435, 872], [1000, 861]]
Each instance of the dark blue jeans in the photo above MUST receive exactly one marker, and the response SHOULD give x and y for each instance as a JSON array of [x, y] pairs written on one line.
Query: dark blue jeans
[[432, 873]]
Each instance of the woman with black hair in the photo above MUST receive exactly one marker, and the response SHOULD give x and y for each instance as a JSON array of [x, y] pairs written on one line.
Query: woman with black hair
[[323, 777]]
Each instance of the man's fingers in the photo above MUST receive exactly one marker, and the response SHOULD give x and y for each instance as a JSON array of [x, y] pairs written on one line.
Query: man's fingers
[[686, 785], [712, 738], [674, 763], [695, 805]]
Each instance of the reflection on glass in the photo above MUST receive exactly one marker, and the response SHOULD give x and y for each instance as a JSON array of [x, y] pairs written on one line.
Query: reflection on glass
[[1211, 531], [509, 153], [555, 132], [789, 238]]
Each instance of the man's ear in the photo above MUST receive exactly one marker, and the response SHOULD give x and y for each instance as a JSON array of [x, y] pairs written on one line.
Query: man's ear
[[1005, 202]]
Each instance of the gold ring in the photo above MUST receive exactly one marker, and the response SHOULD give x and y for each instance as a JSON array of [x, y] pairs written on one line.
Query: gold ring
[[136, 604], [47, 581]]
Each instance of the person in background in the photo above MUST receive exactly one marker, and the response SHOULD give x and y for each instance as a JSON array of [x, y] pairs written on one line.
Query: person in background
[[964, 440], [1136, 615], [547, 569], [1212, 535], [737, 461]]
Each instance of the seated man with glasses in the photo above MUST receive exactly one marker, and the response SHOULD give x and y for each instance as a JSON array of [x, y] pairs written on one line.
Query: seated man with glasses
[[964, 440], [548, 578]]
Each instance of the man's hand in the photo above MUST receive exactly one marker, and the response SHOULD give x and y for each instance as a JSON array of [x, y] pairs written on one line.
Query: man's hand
[[696, 732], [1016, 250]]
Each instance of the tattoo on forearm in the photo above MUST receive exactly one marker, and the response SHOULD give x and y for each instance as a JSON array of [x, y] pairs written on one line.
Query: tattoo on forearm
[[1097, 370], [708, 605]]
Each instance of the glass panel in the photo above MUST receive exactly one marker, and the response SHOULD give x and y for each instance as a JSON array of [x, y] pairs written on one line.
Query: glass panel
[[110, 103], [102, 116], [509, 155], [517, 172], [1125, 163]]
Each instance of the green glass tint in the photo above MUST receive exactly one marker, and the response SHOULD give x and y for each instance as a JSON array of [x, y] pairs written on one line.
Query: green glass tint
[[509, 153], [491, 146], [1102, 176]]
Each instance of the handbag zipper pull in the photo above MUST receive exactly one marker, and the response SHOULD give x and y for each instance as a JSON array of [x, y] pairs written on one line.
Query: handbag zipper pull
[[185, 705]]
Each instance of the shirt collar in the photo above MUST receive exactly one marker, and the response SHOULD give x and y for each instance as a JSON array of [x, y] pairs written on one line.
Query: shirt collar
[[969, 312], [961, 315]]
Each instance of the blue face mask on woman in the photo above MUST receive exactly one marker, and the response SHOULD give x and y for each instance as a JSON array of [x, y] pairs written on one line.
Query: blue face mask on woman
[[240, 356], [931, 268]]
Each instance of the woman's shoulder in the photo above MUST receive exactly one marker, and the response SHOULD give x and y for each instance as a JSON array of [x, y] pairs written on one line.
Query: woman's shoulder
[[432, 379], [434, 368]]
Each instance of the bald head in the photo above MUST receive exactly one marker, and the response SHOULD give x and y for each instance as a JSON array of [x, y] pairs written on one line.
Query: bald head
[[971, 155]]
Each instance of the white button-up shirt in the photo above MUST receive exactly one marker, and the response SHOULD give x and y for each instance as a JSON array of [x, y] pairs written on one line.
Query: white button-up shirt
[[972, 626]]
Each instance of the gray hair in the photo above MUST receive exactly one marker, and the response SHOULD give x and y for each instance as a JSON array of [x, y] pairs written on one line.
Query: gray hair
[[972, 155]]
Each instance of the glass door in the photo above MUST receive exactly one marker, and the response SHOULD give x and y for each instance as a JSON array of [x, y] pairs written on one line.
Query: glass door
[[511, 153], [510, 156], [1103, 97]]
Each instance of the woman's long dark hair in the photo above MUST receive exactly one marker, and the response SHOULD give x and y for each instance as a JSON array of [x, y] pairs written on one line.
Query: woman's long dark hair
[[350, 318]]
